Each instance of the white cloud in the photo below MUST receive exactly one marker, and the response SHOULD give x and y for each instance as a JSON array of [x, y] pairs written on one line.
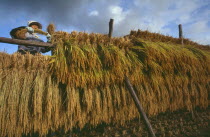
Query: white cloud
[[115, 10], [158, 15], [93, 13], [202, 39], [205, 40], [199, 32], [117, 13], [200, 26]]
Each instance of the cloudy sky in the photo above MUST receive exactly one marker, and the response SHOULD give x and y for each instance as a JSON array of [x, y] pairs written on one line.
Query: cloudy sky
[[162, 16]]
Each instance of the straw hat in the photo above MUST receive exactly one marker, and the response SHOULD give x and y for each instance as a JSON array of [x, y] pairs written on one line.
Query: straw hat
[[35, 23]]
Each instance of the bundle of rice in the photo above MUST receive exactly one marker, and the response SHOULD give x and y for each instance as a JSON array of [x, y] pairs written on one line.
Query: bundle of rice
[[156, 37], [83, 82]]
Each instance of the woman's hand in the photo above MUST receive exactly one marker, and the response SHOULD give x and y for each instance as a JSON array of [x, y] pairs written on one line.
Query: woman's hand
[[48, 37], [30, 29]]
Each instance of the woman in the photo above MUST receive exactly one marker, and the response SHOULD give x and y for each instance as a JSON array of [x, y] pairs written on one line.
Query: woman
[[27, 33]]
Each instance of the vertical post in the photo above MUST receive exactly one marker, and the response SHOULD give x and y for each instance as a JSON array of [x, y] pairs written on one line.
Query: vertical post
[[139, 107], [181, 33], [111, 22]]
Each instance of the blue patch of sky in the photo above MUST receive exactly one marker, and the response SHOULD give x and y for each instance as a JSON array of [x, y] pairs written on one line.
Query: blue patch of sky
[[9, 48], [208, 23], [146, 22], [126, 4], [172, 26], [91, 8], [200, 10], [172, 7]]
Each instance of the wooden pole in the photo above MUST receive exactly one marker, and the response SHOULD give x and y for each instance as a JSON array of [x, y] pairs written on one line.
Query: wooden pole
[[139, 107], [181, 33], [25, 42], [111, 22]]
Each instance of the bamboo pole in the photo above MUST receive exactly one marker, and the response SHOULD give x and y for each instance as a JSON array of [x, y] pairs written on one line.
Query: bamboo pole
[[111, 22], [139, 107], [25, 42], [181, 33]]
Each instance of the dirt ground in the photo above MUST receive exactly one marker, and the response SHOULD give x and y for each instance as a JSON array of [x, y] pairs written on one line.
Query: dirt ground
[[177, 124]]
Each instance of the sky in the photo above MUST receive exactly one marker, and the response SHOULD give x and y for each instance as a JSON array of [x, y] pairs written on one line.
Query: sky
[[161, 16]]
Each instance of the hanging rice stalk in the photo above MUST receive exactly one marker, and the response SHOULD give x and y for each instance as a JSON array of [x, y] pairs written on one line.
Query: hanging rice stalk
[[83, 82], [51, 29]]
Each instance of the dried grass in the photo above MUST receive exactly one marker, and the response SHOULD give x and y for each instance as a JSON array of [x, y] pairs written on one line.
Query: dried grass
[[83, 82], [156, 37], [20, 34], [51, 29]]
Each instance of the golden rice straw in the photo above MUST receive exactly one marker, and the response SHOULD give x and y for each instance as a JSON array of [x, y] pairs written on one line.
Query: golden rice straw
[[83, 82]]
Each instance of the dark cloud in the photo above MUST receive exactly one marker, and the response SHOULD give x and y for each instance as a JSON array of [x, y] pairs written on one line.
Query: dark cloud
[[71, 13], [66, 13], [55, 10]]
